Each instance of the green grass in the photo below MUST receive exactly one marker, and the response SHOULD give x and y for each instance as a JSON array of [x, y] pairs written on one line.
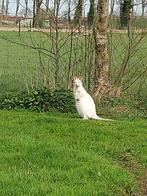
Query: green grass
[[60, 154], [20, 66], [137, 22]]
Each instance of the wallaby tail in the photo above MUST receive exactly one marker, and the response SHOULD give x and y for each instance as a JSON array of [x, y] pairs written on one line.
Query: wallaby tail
[[99, 118]]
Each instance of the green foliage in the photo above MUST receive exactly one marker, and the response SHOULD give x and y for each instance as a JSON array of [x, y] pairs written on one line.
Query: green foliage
[[23, 72], [62, 100], [142, 104], [58, 154], [41, 100], [120, 107]]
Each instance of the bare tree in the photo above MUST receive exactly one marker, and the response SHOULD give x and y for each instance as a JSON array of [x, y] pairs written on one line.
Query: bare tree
[[17, 8], [26, 8], [90, 16], [7, 7], [37, 14], [112, 7], [57, 66], [144, 4], [101, 78], [34, 12], [47, 6], [78, 13], [125, 12], [3, 5], [2, 11], [69, 11]]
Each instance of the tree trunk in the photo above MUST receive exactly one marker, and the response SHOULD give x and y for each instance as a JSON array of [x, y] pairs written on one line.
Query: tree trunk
[[101, 76], [37, 14], [125, 12], [26, 8], [57, 65], [3, 6], [7, 7], [90, 16], [2, 12], [47, 6], [17, 8], [78, 13], [143, 7], [112, 7], [69, 12], [34, 12]]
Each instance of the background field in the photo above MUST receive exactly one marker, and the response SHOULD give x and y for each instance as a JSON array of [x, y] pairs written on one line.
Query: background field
[[59, 154], [20, 66], [56, 154]]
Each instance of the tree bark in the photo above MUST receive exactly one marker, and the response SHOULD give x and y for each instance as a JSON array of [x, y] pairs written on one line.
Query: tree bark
[[26, 8], [2, 12], [90, 17], [78, 13], [47, 6], [125, 12], [34, 12], [143, 7], [101, 73], [37, 14], [17, 8], [69, 11], [7, 7]]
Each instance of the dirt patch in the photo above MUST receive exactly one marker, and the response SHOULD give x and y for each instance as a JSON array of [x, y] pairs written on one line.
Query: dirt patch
[[128, 161], [142, 181]]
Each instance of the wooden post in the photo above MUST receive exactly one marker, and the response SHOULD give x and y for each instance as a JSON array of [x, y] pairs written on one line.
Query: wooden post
[[30, 25]]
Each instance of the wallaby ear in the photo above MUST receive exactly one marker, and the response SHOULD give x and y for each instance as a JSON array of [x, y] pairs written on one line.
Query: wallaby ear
[[80, 78], [73, 78]]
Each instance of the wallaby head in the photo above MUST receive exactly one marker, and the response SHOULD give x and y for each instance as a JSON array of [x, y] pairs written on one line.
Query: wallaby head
[[77, 82]]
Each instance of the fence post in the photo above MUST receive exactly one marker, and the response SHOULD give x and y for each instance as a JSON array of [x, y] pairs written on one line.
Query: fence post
[[30, 25]]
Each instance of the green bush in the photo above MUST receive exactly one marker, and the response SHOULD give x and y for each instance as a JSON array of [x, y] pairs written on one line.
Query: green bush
[[40, 101], [63, 100]]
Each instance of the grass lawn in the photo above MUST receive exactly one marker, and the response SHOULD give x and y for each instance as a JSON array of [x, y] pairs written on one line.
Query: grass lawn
[[60, 154], [21, 68]]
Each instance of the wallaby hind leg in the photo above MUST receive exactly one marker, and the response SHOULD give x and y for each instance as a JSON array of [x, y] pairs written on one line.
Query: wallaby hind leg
[[85, 118]]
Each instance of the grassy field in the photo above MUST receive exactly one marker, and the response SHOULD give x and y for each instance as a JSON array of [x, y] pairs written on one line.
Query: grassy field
[[20, 66], [137, 22], [60, 154]]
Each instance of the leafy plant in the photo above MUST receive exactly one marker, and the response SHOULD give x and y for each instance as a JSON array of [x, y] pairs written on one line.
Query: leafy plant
[[41, 100], [63, 100]]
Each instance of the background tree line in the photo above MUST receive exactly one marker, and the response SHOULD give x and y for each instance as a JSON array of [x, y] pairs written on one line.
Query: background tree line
[[74, 9]]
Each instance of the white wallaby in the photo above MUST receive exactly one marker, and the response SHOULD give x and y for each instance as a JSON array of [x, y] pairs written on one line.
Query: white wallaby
[[84, 102]]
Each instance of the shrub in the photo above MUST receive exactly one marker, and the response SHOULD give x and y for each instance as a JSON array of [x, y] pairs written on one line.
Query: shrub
[[63, 100], [41, 100]]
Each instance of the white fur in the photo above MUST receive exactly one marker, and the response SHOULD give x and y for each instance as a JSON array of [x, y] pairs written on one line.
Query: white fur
[[84, 102]]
